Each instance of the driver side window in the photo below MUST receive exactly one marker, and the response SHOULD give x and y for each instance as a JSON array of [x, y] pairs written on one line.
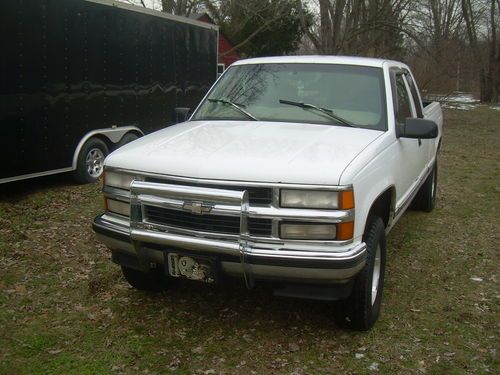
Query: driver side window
[[404, 104]]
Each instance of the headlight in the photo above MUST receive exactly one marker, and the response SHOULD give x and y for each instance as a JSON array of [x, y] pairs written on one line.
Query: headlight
[[118, 180], [324, 199], [308, 231], [309, 199], [118, 207]]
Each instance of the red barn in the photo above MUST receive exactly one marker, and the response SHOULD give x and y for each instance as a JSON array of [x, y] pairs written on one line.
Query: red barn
[[227, 53]]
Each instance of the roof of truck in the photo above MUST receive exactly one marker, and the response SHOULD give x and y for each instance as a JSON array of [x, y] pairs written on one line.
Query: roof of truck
[[317, 59]]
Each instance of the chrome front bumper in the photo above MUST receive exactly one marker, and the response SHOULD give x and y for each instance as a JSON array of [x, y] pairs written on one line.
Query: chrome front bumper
[[139, 242], [251, 260]]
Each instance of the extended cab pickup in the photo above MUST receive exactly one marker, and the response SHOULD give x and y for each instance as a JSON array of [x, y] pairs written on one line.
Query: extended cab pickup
[[291, 170]]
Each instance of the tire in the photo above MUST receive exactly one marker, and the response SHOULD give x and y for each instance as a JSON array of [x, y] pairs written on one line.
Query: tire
[[425, 200], [127, 138], [90, 163], [153, 281], [362, 309]]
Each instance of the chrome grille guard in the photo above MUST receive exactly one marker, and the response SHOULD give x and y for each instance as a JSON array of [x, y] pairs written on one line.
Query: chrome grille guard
[[198, 201]]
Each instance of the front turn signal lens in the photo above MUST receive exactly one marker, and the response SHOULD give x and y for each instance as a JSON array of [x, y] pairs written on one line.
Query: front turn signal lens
[[345, 231], [346, 200]]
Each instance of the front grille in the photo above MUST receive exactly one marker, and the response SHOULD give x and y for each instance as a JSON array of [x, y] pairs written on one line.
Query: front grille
[[259, 227], [256, 195], [206, 223]]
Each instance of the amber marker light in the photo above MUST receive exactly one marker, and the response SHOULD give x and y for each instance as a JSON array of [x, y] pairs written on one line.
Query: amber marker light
[[346, 200], [345, 231]]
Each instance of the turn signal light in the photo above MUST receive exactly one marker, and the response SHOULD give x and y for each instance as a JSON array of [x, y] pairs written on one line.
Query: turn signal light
[[346, 200], [345, 231]]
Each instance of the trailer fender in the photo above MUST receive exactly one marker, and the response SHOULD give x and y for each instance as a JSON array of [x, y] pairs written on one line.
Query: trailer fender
[[114, 135]]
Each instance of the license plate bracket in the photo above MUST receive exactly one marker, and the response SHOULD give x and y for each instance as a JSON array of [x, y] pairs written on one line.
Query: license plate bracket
[[191, 266]]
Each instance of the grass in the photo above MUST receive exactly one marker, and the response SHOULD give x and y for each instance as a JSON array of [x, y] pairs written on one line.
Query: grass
[[65, 308]]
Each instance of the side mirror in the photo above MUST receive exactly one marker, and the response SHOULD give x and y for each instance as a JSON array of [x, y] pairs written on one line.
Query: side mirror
[[181, 114], [419, 128]]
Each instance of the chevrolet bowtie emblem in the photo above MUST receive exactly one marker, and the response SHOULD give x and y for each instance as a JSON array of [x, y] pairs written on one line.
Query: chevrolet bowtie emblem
[[197, 208]]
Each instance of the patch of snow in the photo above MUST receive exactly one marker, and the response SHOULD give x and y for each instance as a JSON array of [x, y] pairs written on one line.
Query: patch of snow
[[459, 106], [455, 97], [373, 366], [457, 100], [462, 98]]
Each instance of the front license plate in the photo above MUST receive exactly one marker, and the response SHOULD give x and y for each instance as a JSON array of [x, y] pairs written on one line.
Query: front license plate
[[191, 267]]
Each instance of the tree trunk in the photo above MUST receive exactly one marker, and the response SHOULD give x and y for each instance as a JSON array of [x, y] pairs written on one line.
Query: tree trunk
[[494, 58], [326, 36], [167, 6]]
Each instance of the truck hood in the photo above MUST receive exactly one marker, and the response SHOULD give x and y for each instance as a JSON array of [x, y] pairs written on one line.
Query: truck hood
[[256, 151]]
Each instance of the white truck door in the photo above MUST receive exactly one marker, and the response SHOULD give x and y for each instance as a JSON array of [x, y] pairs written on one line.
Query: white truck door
[[412, 153]]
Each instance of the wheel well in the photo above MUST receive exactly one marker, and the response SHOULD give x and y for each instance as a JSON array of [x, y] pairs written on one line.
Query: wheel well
[[131, 132], [136, 132], [383, 206], [115, 146], [103, 138]]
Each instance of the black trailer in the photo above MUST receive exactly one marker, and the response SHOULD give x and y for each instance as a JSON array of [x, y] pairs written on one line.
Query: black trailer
[[82, 77]]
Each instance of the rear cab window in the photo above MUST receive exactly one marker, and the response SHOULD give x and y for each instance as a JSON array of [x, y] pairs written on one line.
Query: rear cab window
[[404, 104], [414, 94]]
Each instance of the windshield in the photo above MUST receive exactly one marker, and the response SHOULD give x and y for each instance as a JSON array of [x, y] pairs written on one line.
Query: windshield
[[332, 94]]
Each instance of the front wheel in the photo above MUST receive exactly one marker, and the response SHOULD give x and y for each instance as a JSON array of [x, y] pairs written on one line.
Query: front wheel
[[361, 310]]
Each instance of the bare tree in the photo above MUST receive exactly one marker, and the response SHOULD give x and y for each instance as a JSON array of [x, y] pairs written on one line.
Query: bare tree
[[480, 15], [437, 21], [440, 59], [180, 7], [359, 27]]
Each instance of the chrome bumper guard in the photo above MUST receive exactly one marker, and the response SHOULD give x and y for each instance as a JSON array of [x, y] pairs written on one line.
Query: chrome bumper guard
[[228, 202], [206, 201]]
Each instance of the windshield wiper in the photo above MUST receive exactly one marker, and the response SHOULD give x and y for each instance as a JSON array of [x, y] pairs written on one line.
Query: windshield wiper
[[238, 107], [326, 111]]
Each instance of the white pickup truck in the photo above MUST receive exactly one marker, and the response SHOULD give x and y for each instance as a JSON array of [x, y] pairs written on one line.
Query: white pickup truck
[[291, 170]]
